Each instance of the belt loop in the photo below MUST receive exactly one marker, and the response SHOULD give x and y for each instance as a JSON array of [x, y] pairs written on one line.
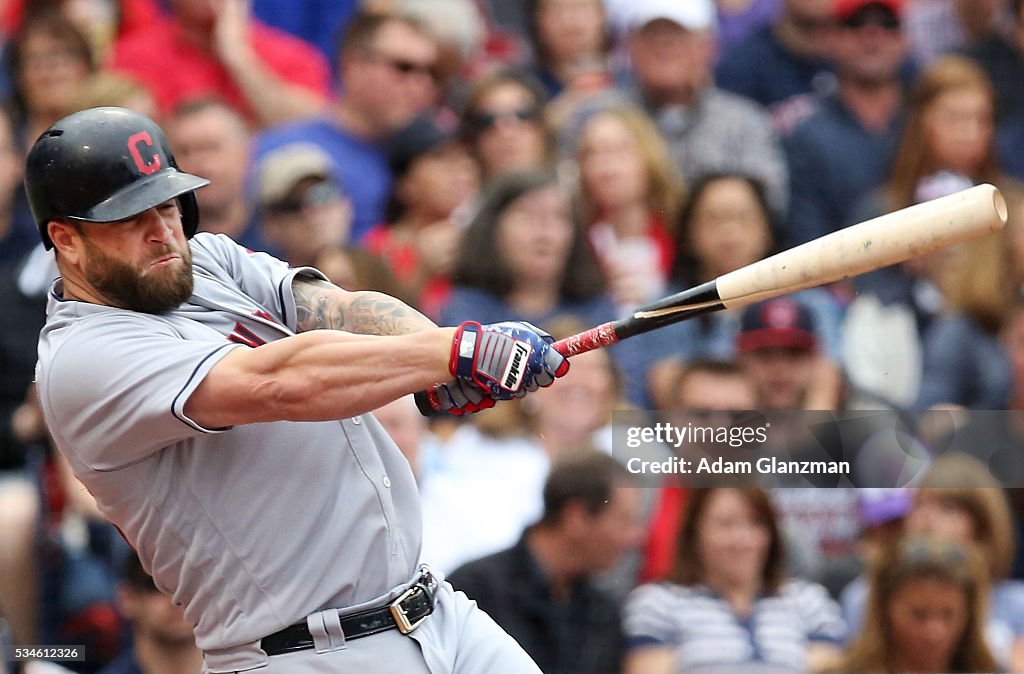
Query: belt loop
[[325, 628]]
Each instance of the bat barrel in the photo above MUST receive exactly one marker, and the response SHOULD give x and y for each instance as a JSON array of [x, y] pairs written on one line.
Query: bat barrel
[[879, 242]]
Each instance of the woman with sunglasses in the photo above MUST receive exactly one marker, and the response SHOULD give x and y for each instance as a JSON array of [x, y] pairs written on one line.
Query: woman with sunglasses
[[925, 612], [503, 125]]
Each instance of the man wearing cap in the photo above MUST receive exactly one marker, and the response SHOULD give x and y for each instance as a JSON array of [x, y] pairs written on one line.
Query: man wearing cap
[[671, 49], [305, 210], [386, 65], [843, 149]]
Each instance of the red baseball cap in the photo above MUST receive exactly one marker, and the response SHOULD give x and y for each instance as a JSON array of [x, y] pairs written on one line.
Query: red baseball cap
[[844, 9], [780, 322]]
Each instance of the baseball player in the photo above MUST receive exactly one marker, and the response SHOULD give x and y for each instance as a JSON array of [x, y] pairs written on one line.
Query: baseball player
[[216, 403]]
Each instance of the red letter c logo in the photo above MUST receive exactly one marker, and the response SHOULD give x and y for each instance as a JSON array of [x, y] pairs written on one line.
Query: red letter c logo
[[150, 164]]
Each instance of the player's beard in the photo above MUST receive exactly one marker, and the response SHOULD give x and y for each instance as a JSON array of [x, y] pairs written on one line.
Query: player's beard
[[125, 286]]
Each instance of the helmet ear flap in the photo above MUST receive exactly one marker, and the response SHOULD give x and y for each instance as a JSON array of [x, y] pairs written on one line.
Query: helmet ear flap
[[189, 213]]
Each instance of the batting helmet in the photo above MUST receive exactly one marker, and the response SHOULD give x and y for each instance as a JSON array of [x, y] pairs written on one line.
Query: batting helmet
[[104, 165]]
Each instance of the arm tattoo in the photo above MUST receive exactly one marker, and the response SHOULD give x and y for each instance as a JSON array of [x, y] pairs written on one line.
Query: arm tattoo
[[321, 305]]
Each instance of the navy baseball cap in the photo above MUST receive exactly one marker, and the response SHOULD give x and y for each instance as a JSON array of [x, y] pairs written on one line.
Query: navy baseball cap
[[780, 322]]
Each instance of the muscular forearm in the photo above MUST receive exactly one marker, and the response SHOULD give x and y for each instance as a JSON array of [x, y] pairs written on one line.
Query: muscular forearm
[[317, 376], [321, 305]]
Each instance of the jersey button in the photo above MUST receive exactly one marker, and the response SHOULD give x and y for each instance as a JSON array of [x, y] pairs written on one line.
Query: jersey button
[[387, 482], [357, 420]]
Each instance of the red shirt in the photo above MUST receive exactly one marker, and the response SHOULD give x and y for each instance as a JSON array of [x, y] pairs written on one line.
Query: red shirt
[[175, 70]]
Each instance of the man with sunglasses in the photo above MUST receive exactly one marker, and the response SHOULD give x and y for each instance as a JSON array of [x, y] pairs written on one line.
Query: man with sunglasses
[[844, 147], [386, 65]]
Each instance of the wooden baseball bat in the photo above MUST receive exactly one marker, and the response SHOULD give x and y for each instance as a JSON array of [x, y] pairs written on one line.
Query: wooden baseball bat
[[872, 244]]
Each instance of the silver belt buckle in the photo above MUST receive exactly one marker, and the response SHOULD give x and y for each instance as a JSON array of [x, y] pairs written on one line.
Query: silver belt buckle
[[399, 614]]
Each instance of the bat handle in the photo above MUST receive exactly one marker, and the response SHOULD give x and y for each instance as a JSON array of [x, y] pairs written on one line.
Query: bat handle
[[588, 340]]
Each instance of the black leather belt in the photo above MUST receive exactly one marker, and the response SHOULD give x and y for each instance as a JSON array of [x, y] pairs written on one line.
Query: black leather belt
[[404, 614]]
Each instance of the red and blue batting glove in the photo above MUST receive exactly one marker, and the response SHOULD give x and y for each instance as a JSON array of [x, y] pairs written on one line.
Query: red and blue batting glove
[[506, 360], [493, 362]]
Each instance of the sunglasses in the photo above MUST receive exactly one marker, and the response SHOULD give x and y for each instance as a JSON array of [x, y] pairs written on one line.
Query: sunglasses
[[405, 66], [317, 194], [482, 121]]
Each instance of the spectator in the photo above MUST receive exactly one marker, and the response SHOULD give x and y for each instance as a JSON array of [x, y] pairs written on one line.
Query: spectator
[[305, 210], [108, 89], [17, 234], [318, 22], [707, 129], [386, 64], [726, 224], [49, 61], [525, 258], [960, 501], [727, 604], [704, 387], [460, 30], [963, 361], [502, 122], [631, 195], [211, 139], [484, 489], [947, 145], [570, 40], [843, 149], [785, 58], [355, 268], [216, 48], [542, 591], [925, 612], [940, 27], [162, 641], [1002, 58], [435, 179], [100, 22], [778, 346]]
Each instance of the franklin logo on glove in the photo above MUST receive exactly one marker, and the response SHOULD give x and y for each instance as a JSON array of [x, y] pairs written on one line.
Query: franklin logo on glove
[[514, 372]]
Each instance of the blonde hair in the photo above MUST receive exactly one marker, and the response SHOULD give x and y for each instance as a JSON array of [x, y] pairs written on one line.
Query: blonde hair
[[666, 192], [909, 560]]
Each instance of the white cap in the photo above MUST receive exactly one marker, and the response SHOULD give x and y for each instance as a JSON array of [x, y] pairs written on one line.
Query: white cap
[[690, 14]]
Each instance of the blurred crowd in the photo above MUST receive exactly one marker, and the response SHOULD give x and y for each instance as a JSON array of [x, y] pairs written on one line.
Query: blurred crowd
[[563, 162]]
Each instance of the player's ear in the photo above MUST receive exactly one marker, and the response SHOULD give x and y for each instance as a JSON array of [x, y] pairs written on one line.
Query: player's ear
[[66, 239]]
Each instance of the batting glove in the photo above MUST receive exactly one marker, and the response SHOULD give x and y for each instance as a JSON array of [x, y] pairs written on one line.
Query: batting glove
[[456, 397], [506, 360]]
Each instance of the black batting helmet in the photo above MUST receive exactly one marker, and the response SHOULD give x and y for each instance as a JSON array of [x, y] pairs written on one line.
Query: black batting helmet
[[104, 165]]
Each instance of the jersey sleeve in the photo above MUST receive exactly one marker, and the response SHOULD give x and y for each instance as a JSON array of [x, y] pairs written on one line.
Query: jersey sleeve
[[114, 391], [649, 618], [260, 276]]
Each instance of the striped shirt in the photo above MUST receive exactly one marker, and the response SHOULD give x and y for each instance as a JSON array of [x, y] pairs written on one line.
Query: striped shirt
[[708, 636]]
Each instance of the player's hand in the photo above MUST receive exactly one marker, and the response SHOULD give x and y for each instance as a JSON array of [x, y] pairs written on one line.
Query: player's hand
[[506, 360], [456, 397]]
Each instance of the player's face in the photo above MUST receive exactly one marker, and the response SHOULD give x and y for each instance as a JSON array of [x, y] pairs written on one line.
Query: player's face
[[143, 263]]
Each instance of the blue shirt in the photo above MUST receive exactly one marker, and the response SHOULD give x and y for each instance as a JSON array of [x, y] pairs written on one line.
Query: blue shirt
[[760, 68], [361, 166], [316, 21], [833, 161]]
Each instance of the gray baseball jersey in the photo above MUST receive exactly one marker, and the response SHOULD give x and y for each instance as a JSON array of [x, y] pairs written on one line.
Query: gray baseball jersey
[[250, 528]]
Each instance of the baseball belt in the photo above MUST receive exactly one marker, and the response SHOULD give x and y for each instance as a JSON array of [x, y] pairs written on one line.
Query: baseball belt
[[405, 614]]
